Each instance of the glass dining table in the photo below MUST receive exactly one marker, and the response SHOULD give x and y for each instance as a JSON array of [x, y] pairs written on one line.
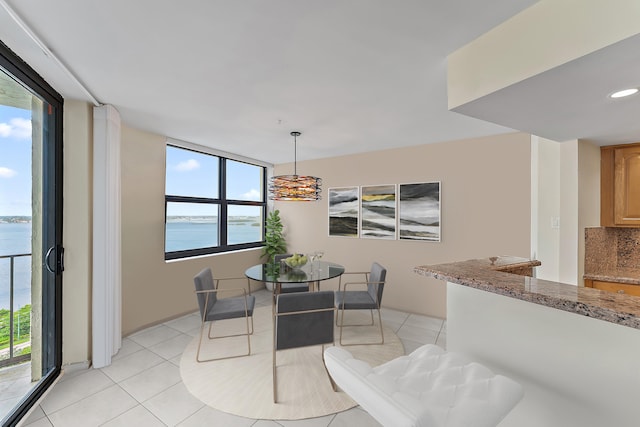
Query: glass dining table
[[312, 274]]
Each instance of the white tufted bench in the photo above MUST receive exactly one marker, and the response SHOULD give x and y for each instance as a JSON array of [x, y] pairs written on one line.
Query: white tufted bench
[[429, 387]]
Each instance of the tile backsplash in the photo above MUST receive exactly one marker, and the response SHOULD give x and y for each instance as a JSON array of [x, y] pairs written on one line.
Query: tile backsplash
[[611, 247], [628, 247]]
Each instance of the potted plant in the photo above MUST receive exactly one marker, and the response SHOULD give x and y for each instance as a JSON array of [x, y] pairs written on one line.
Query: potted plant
[[274, 242]]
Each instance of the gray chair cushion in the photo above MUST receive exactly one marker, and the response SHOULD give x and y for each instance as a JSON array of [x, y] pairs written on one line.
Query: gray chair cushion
[[378, 274], [220, 308], [204, 282], [304, 329], [355, 300], [230, 308], [364, 300], [286, 288]]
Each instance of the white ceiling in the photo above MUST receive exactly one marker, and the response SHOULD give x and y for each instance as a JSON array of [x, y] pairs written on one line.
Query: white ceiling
[[239, 75], [572, 101]]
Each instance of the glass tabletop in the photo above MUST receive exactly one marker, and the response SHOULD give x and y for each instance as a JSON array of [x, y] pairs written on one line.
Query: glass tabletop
[[322, 270]]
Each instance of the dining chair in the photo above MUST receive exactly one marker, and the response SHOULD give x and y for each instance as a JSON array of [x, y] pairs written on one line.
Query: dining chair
[[286, 288], [302, 320], [369, 299], [213, 308]]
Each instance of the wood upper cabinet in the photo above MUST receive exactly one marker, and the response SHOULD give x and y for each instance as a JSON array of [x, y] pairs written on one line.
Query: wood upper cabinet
[[620, 186]]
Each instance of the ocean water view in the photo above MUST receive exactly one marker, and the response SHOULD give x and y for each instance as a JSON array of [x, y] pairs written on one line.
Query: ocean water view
[[183, 233], [15, 238]]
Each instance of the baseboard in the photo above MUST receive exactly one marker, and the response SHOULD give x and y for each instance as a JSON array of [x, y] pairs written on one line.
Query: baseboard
[[74, 367]]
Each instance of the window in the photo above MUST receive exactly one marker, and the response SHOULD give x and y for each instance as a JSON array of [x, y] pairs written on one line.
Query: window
[[31, 130], [212, 204]]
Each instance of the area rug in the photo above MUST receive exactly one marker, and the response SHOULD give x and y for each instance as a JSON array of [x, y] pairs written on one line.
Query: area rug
[[243, 386]]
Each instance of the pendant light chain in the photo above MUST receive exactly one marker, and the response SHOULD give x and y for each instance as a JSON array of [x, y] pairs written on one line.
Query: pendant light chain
[[294, 187], [295, 152]]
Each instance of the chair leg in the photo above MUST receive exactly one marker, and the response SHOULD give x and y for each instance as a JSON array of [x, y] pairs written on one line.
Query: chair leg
[[275, 380], [275, 376], [366, 324], [277, 290], [380, 321], [199, 344], [341, 325], [274, 366], [249, 330], [248, 334]]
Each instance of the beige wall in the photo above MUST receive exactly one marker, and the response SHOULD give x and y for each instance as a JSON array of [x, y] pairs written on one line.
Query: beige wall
[[485, 211], [77, 205], [573, 27], [154, 290], [588, 195]]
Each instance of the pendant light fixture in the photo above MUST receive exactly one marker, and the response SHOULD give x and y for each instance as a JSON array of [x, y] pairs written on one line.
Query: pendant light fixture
[[295, 188]]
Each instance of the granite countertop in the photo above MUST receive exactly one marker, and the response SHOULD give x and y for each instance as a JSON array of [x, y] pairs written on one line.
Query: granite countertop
[[628, 275], [482, 274], [506, 263]]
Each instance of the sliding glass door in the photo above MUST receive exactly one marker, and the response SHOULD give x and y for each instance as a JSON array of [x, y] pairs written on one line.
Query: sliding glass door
[[31, 253]]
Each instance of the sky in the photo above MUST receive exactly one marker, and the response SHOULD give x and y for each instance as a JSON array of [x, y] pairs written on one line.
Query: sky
[[188, 173], [15, 161], [194, 174]]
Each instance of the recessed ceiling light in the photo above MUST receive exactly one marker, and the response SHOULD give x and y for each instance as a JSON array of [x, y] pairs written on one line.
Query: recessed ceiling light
[[623, 93]]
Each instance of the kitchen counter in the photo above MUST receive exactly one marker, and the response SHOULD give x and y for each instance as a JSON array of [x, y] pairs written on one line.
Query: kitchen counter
[[575, 350], [482, 274], [630, 276]]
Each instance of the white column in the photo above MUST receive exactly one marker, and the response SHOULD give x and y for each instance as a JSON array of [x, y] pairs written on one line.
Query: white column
[[106, 330]]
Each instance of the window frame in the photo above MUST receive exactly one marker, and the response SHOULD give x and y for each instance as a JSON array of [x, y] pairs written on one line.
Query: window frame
[[52, 226], [221, 201]]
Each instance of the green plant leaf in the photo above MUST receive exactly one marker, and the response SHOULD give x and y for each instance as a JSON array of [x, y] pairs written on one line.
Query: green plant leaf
[[274, 239]]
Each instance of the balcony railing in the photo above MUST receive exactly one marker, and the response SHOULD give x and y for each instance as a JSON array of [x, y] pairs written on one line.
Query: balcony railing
[[10, 325]]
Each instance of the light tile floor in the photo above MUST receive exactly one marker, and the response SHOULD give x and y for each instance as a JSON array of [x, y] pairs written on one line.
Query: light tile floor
[[142, 387], [15, 382]]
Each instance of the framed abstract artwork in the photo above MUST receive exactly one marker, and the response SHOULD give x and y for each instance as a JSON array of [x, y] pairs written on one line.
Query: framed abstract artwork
[[419, 211], [344, 211], [378, 211]]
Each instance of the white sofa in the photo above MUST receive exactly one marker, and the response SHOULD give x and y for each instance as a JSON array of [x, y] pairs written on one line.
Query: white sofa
[[429, 387]]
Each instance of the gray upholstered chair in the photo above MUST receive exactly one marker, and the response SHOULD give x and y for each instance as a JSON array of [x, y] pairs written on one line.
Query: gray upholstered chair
[[213, 308], [286, 288], [302, 320], [369, 299]]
